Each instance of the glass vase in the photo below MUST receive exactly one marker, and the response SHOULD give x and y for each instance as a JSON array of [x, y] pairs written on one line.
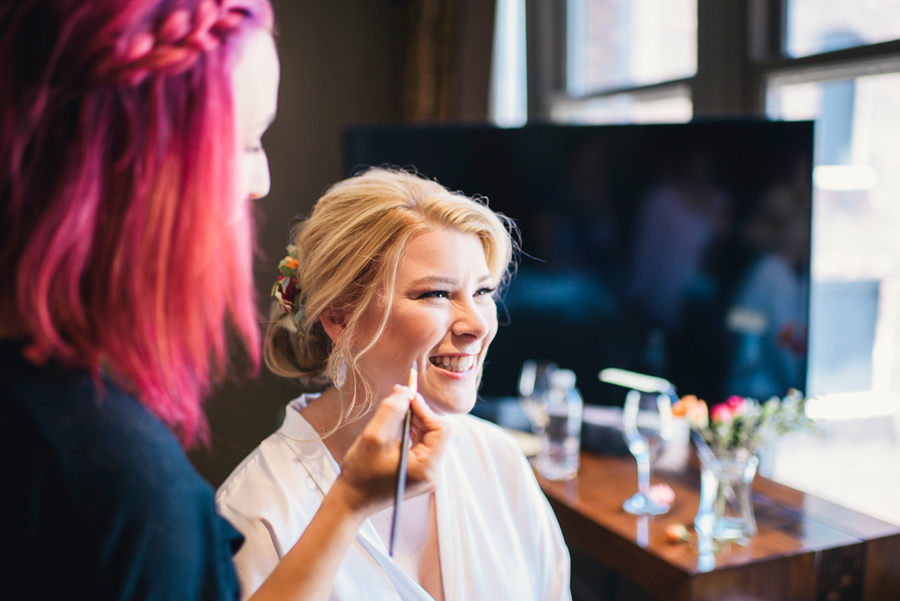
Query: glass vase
[[726, 481]]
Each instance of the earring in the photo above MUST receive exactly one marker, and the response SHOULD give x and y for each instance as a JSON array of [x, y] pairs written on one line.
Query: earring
[[339, 369]]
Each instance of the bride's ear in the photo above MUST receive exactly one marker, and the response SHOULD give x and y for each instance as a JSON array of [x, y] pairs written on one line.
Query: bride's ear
[[333, 323]]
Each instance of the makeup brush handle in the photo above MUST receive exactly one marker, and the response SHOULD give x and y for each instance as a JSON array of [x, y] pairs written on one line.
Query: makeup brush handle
[[401, 480]]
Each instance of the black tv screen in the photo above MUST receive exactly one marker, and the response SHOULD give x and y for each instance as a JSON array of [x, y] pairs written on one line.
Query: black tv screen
[[676, 250]]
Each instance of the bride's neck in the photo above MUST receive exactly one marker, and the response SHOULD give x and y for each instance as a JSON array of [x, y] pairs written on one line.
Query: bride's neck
[[325, 413]]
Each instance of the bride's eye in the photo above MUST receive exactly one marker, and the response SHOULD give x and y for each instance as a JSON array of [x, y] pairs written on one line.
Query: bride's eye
[[435, 294]]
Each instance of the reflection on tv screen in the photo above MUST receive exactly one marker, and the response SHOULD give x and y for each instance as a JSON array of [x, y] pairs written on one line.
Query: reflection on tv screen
[[680, 251]]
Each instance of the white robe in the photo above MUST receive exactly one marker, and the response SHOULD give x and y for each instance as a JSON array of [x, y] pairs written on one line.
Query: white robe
[[497, 535]]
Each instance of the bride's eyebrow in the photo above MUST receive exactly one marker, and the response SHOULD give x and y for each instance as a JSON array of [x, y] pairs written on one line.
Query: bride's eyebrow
[[432, 280]]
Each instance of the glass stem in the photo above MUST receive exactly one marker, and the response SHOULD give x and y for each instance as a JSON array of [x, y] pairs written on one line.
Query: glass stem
[[643, 464]]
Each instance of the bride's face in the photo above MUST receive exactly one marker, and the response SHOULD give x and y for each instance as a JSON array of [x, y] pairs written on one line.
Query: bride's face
[[443, 316]]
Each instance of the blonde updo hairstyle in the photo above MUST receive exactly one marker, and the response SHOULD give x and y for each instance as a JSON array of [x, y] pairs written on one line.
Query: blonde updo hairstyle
[[349, 250]]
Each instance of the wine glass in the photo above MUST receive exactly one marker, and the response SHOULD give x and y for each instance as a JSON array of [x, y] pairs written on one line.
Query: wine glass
[[647, 425], [534, 384]]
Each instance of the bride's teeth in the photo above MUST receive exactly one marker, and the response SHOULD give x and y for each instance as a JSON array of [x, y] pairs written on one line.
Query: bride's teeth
[[455, 364]]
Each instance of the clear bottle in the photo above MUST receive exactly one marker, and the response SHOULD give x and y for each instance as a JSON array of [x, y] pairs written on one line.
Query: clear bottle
[[560, 440]]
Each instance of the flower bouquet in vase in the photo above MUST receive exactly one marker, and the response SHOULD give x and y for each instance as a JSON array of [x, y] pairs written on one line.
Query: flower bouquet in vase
[[728, 439]]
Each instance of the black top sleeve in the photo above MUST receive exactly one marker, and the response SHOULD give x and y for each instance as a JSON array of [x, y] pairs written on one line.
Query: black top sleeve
[[101, 501]]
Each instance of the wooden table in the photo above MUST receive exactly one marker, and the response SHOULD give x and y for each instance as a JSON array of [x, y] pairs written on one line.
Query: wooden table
[[807, 548]]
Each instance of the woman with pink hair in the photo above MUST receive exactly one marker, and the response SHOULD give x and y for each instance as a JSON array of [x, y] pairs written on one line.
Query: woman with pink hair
[[125, 264]]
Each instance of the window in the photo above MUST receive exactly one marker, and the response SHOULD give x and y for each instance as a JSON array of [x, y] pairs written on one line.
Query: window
[[624, 43], [668, 105], [834, 62], [629, 61], [816, 26], [856, 220], [508, 105], [625, 61]]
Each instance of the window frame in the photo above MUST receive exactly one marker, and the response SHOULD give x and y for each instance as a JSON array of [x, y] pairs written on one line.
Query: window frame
[[740, 46]]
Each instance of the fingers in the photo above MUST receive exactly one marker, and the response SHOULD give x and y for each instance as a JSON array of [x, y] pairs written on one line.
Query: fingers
[[424, 413], [390, 414], [429, 428], [369, 467], [428, 448]]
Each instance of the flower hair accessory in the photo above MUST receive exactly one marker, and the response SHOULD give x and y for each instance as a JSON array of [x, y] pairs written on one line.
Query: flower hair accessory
[[287, 288]]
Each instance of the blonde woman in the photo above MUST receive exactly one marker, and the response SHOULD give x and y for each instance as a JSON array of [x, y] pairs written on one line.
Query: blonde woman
[[391, 269]]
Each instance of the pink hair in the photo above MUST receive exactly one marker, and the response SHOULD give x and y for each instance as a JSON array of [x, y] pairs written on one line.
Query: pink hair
[[118, 194]]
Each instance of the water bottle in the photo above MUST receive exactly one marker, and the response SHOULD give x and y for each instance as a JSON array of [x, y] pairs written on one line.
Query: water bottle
[[560, 440]]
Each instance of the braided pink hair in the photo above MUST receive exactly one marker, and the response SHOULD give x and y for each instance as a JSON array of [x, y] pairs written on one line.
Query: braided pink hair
[[117, 152], [173, 47]]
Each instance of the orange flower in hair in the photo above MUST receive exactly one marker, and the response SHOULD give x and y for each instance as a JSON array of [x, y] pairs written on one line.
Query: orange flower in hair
[[287, 288]]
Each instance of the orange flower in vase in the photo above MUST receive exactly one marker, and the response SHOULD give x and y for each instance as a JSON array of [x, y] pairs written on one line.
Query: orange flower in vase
[[693, 409]]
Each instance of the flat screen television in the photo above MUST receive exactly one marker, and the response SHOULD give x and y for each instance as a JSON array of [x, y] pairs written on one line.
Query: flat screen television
[[675, 250]]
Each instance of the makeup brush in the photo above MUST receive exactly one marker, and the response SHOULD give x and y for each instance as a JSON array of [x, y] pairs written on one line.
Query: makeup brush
[[404, 453]]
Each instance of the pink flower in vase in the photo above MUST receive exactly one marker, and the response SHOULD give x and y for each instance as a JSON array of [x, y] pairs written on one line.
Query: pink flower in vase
[[722, 413], [738, 404]]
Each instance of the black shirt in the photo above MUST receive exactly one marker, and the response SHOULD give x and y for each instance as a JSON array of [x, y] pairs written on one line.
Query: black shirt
[[99, 500]]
